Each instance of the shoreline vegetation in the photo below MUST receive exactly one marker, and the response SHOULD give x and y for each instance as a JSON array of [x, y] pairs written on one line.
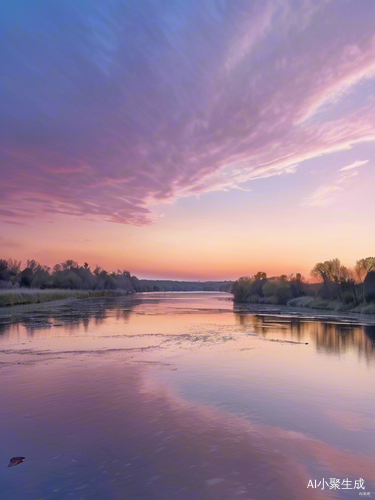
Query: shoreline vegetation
[[337, 288], [35, 283], [19, 297]]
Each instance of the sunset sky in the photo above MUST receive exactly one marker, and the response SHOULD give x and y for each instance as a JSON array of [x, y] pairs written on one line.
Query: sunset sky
[[195, 139]]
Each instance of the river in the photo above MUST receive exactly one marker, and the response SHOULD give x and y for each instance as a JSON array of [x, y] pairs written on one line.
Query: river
[[182, 396]]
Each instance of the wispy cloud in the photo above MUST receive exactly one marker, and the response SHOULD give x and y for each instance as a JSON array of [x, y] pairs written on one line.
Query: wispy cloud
[[322, 197], [112, 107], [355, 164], [327, 194]]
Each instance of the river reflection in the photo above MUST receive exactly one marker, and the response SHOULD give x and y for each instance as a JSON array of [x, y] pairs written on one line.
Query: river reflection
[[72, 315], [180, 396], [331, 337]]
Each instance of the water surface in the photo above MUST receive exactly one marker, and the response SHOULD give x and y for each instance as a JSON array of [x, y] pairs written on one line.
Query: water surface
[[177, 395]]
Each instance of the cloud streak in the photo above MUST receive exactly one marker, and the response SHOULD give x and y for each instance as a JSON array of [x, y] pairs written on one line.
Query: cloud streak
[[327, 194], [111, 108], [323, 196], [355, 164]]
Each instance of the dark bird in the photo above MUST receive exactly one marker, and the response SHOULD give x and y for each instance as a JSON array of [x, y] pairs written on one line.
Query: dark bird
[[16, 461]]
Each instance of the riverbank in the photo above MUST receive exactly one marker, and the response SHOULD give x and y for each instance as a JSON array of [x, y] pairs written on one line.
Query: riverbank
[[305, 313], [11, 298], [308, 302], [331, 305]]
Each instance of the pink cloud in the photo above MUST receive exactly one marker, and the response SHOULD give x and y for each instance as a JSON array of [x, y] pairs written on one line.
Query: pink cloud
[[355, 164], [152, 116]]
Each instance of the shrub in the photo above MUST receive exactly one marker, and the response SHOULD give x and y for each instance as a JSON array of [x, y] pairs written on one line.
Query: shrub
[[277, 292], [369, 286]]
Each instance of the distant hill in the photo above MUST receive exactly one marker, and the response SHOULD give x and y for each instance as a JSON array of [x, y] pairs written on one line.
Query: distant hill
[[184, 286]]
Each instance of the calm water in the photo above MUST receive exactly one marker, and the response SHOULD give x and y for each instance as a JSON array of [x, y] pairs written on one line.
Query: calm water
[[178, 396]]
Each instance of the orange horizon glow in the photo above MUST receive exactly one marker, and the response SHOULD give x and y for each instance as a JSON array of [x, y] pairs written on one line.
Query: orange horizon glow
[[163, 252], [132, 149]]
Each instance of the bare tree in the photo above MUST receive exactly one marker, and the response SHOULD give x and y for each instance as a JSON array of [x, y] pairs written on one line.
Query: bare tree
[[348, 280], [326, 272], [260, 276]]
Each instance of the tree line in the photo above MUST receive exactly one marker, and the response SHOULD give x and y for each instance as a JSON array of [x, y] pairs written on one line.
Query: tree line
[[70, 275], [347, 284], [334, 282], [67, 275], [185, 286]]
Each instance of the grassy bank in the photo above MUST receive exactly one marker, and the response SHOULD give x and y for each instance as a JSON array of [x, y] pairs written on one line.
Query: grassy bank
[[331, 305], [33, 296]]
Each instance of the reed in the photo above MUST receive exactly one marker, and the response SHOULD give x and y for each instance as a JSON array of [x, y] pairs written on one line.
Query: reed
[[34, 296]]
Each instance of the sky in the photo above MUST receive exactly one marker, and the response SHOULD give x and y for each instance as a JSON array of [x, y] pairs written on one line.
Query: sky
[[188, 139]]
